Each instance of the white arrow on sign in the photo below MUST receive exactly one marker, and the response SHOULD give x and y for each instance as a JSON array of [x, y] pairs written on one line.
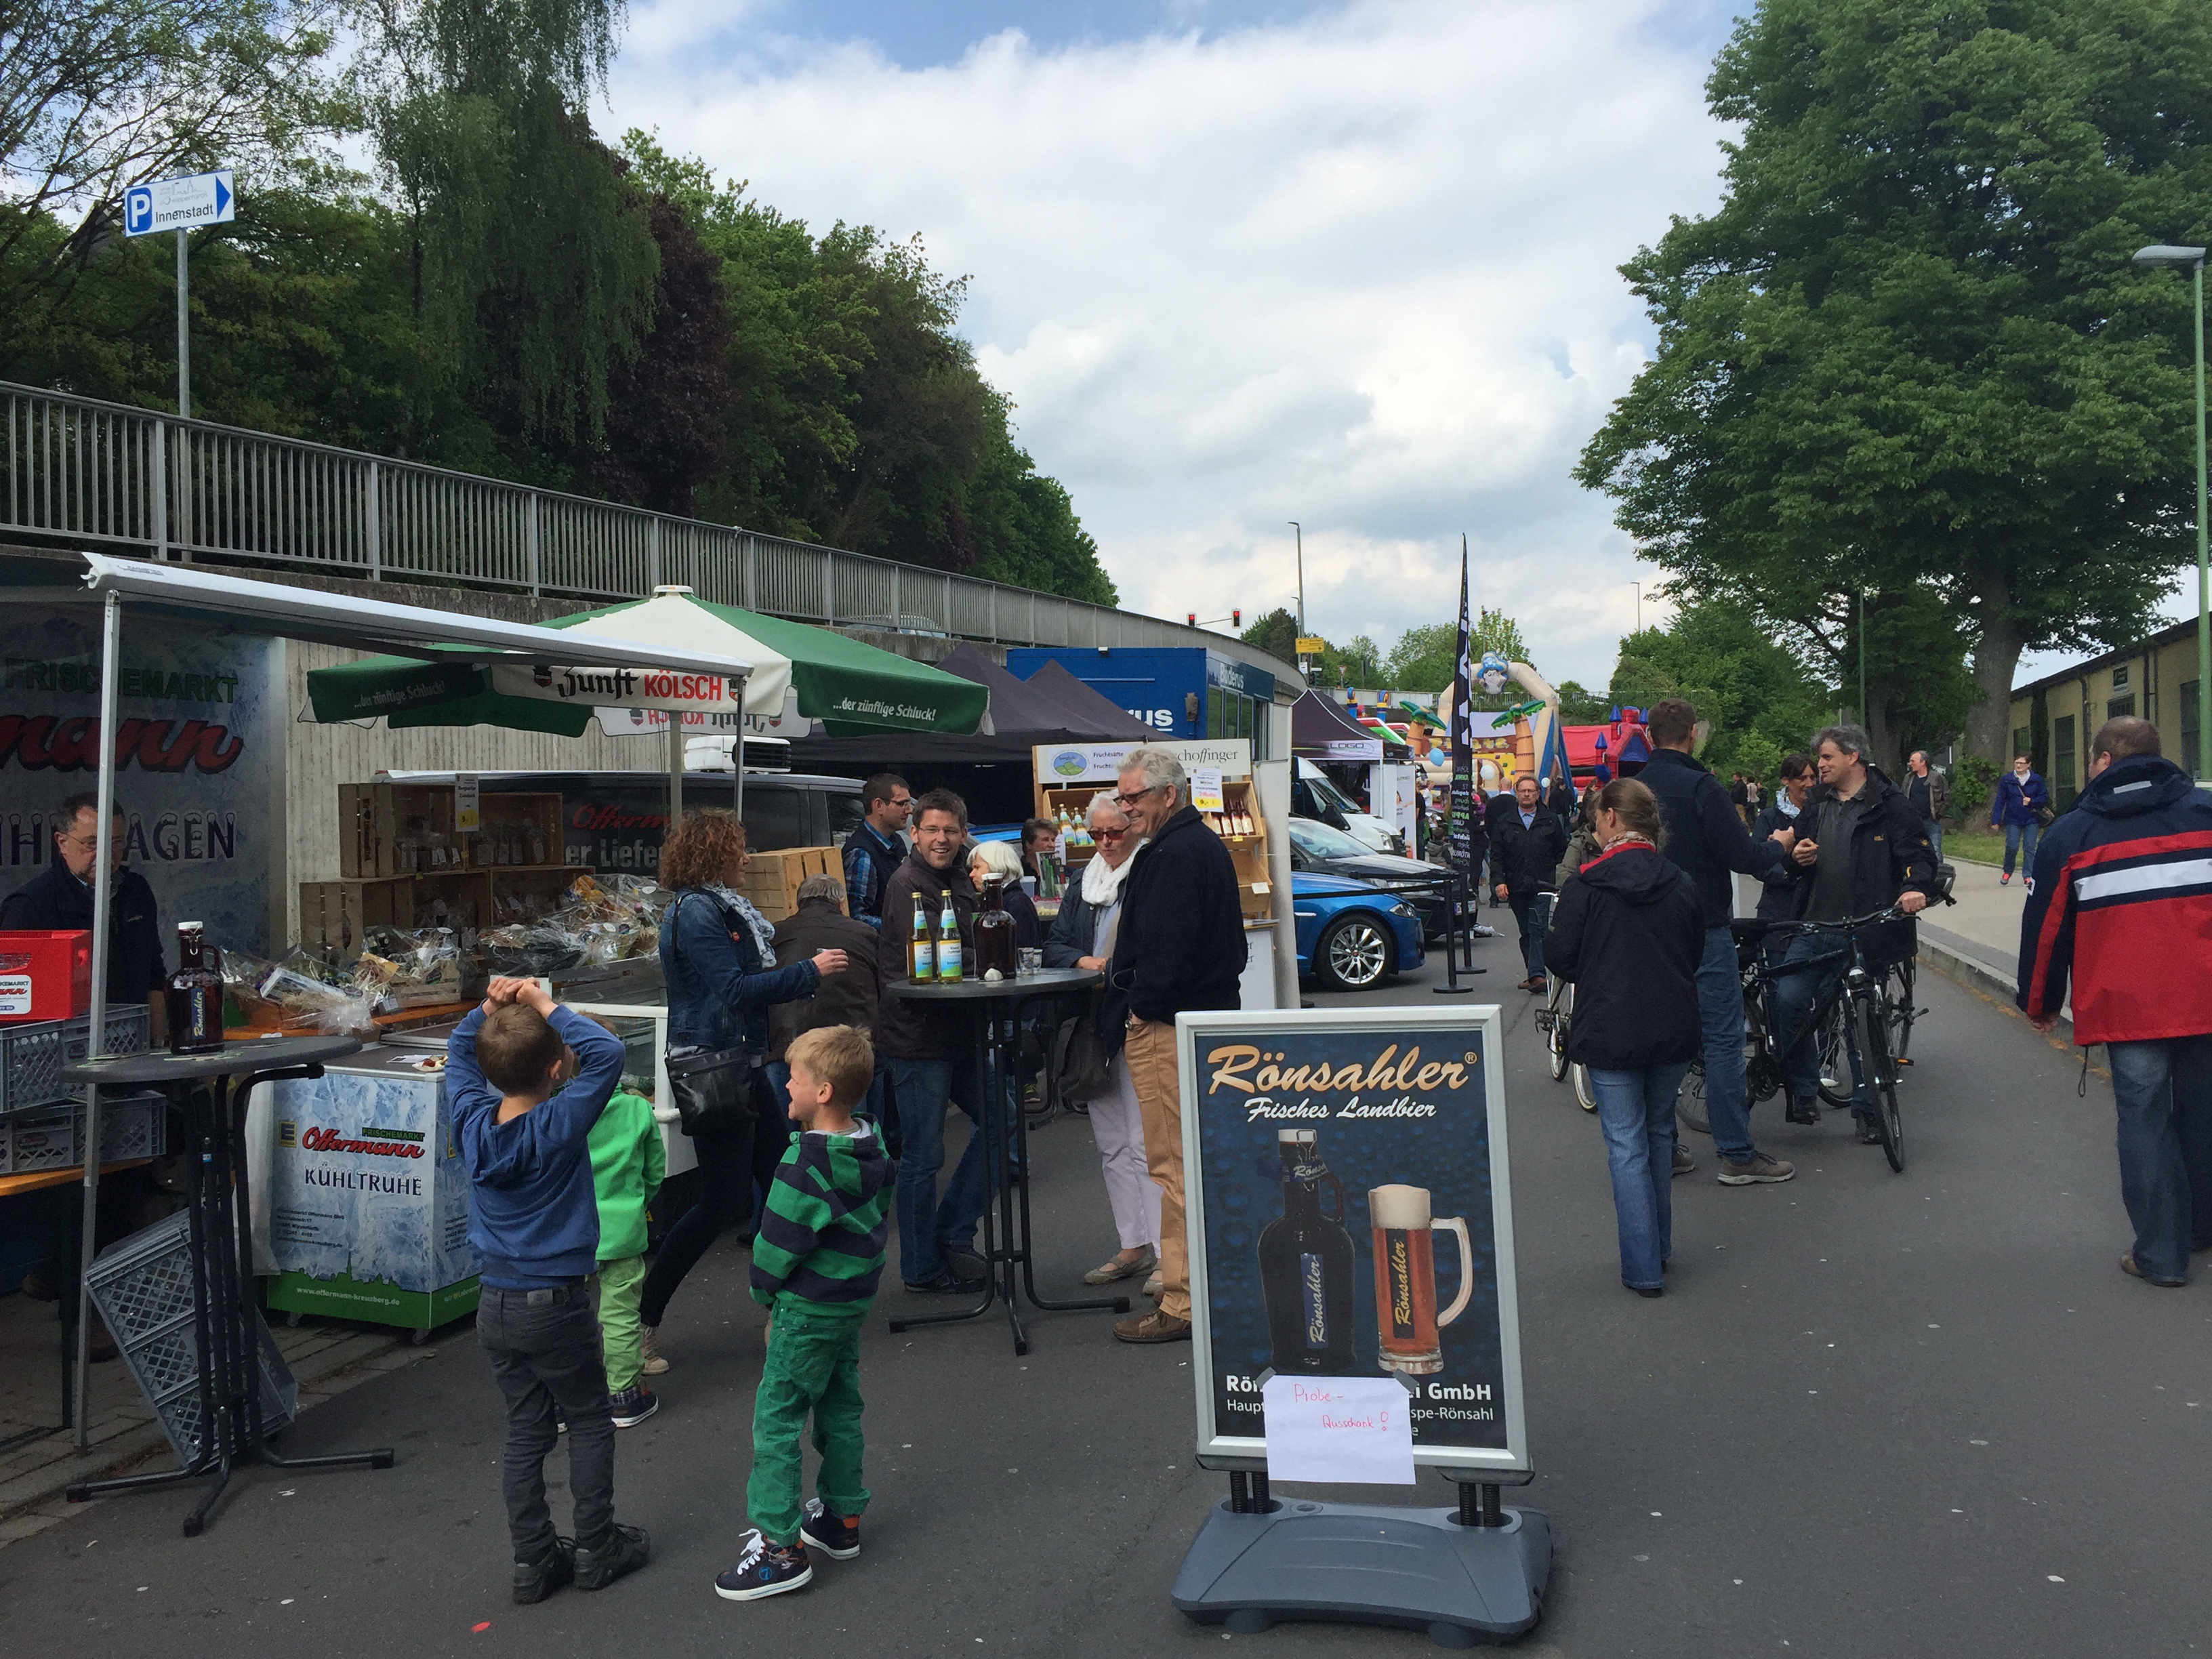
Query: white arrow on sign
[[202, 198]]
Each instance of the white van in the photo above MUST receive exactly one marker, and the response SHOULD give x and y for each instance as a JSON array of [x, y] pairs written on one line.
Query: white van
[[1313, 796]]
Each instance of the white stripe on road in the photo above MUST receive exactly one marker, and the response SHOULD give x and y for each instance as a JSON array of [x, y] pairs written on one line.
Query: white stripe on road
[[2143, 878]]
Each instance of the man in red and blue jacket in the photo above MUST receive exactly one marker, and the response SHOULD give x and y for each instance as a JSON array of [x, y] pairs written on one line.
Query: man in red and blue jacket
[[2120, 901]]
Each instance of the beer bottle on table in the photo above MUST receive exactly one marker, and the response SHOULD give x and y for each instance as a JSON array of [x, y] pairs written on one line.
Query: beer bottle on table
[[194, 995], [1305, 1267], [948, 942], [921, 949], [994, 933]]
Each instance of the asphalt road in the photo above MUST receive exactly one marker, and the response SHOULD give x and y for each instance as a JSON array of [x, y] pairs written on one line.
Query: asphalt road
[[1874, 1415]]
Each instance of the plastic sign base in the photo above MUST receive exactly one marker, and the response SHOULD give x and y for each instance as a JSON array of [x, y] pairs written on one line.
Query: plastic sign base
[[1368, 1564]]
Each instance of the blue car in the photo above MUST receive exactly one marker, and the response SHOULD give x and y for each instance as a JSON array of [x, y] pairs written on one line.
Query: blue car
[[1352, 934]]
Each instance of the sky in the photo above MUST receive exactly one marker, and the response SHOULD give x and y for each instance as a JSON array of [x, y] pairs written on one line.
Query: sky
[[1238, 263]]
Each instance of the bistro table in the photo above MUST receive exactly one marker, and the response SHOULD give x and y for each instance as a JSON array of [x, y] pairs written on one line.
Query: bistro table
[[211, 1090], [994, 1012]]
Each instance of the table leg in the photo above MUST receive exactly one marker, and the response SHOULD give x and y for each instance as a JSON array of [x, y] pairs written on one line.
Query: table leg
[[1086, 1304], [993, 1057]]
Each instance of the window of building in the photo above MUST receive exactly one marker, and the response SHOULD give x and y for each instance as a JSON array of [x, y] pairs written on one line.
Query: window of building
[[2115, 706], [1214, 711], [2120, 677], [2191, 737], [2062, 759], [2023, 741]]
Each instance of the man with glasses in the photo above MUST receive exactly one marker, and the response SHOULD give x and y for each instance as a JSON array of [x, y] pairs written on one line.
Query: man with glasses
[[1179, 945], [60, 899], [878, 847]]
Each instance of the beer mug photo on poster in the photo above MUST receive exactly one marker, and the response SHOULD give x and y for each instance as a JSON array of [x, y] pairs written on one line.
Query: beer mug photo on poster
[[1406, 1316]]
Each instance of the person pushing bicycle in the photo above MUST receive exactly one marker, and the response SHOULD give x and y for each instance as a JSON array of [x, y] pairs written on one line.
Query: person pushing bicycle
[[1862, 843]]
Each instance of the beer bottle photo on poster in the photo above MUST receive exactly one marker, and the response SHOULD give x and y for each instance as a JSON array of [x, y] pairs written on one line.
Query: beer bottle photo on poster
[[1350, 1214]]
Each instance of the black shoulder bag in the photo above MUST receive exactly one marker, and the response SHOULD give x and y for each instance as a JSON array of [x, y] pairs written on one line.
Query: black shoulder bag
[[713, 1087]]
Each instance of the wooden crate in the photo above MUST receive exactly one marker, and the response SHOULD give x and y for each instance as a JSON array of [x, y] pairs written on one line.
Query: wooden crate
[[377, 820], [334, 914], [772, 879]]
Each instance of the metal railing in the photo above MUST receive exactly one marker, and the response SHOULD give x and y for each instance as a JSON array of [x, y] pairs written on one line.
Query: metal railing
[[81, 470]]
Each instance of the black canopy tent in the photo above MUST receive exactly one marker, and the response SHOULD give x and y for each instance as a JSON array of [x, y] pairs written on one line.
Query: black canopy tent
[[990, 770], [1320, 732]]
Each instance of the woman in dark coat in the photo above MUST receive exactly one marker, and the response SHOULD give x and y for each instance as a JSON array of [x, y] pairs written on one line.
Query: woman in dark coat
[[718, 963], [1629, 930]]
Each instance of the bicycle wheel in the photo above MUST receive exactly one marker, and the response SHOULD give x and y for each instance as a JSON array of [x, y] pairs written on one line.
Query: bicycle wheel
[[1559, 1006], [1901, 1011], [1583, 1091], [1882, 1078], [1832, 1059]]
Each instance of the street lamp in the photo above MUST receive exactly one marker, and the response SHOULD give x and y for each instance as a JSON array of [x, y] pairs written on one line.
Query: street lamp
[[2192, 260], [1300, 529]]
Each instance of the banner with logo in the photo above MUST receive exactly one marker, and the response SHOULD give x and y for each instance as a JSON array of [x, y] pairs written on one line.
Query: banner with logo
[[199, 732], [623, 687], [1064, 764], [1460, 825], [1348, 1201]]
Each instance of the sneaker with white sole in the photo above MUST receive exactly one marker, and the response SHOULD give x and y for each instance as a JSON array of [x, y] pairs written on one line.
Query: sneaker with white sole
[[633, 1405], [837, 1536], [650, 1344], [1757, 1168], [764, 1569]]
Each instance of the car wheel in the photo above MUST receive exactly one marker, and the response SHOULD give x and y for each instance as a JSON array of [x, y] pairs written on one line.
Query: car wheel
[[1355, 954]]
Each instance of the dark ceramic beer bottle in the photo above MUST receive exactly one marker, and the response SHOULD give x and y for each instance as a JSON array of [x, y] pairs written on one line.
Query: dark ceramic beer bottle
[[1305, 1267]]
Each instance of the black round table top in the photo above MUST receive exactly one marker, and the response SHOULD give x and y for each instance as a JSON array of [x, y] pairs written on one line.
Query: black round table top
[[250, 1054], [1020, 984]]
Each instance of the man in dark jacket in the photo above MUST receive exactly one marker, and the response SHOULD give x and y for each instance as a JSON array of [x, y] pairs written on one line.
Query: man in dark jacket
[[59, 899], [1709, 841], [1861, 849], [847, 998], [877, 846], [1180, 947], [2119, 903], [1929, 792], [1528, 841], [932, 1060]]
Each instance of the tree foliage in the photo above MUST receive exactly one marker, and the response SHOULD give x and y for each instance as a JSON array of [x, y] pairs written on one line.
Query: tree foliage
[[507, 295], [1908, 356], [1759, 699], [1425, 658]]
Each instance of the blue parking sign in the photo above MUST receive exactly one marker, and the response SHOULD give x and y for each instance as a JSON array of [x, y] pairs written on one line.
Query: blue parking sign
[[137, 210]]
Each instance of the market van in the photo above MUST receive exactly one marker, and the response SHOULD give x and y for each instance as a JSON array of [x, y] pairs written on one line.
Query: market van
[[614, 821]]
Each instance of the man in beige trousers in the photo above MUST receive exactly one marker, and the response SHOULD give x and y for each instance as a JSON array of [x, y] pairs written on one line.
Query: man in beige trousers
[[1181, 947]]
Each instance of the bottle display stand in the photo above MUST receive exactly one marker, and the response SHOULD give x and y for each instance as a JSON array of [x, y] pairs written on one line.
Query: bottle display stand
[[1468, 1576]]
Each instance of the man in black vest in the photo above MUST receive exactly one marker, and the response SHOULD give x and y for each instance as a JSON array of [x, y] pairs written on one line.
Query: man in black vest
[[877, 847]]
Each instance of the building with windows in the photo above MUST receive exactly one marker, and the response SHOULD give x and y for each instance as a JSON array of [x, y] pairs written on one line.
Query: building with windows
[[2055, 717]]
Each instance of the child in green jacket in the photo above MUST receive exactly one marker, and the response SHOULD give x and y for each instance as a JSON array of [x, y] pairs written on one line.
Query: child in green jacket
[[816, 1264], [627, 1161]]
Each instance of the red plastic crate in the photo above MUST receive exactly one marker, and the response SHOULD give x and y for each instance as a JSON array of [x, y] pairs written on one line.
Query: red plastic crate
[[45, 974]]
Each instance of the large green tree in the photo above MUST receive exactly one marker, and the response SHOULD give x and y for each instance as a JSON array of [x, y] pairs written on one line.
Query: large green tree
[[1757, 694], [1908, 356], [1424, 658]]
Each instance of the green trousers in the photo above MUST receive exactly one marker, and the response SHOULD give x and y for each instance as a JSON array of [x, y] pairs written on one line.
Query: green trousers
[[813, 1366], [621, 1282]]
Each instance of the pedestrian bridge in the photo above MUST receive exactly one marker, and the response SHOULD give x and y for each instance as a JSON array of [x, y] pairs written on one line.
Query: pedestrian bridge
[[85, 472]]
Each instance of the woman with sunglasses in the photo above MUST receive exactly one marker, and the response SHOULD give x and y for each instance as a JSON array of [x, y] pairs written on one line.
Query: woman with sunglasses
[[1083, 936]]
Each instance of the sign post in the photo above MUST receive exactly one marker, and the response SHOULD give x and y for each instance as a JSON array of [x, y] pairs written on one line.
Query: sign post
[[1348, 1206], [177, 204]]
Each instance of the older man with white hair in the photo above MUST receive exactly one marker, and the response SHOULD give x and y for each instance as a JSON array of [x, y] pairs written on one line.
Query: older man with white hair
[[1180, 947]]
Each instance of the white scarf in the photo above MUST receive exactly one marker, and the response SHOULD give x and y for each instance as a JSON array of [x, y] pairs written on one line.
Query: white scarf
[[762, 929], [1102, 882]]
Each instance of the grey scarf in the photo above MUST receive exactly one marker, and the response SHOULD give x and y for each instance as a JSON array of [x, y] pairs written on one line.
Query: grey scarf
[[762, 930]]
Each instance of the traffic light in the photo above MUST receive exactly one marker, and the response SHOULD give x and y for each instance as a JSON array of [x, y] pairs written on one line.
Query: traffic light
[[1237, 619], [1191, 617]]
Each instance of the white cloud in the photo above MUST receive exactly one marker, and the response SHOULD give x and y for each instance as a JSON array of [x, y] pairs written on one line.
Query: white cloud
[[1357, 271]]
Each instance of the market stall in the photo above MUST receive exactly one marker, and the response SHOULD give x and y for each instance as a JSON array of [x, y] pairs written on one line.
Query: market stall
[[454, 652]]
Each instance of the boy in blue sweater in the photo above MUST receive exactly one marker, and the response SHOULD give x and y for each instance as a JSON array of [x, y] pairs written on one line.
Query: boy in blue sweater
[[522, 1115]]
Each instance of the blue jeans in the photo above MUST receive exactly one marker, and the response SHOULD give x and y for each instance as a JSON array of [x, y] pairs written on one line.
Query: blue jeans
[[1720, 1014], [1935, 833], [2021, 838], [1795, 995], [928, 1226], [2163, 1092], [1635, 1111], [1532, 941]]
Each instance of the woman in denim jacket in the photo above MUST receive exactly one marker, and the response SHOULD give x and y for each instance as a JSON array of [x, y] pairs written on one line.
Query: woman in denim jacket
[[718, 961]]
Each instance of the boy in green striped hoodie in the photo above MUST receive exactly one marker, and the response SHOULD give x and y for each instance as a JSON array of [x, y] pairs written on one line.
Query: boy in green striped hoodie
[[816, 1262]]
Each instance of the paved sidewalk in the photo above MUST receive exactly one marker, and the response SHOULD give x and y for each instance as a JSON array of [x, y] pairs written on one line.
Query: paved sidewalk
[[1984, 924], [327, 1357]]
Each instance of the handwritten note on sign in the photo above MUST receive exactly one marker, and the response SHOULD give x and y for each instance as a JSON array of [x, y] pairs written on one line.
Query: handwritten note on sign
[[1354, 1431]]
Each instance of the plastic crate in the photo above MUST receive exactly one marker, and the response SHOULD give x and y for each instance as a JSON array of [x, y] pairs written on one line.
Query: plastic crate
[[143, 1286], [130, 1126], [32, 1056]]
